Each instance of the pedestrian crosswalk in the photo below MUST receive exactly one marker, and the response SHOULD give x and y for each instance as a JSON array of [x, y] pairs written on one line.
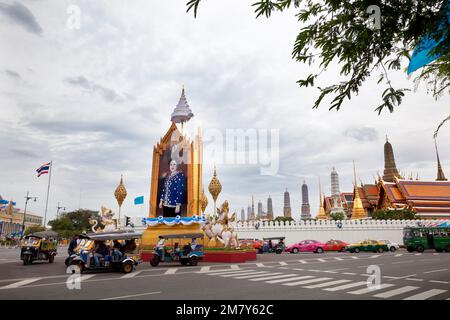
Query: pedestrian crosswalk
[[348, 286]]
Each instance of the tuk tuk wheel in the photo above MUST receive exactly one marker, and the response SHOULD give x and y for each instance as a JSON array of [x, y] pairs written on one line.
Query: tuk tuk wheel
[[154, 261], [127, 267], [26, 260], [193, 261], [278, 251], [184, 261], [51, 258], [79, 264]]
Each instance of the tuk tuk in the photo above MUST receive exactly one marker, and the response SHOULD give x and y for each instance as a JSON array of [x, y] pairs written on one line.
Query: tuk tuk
[[39, 246], [277, 248], [190, 253], [118, 252]]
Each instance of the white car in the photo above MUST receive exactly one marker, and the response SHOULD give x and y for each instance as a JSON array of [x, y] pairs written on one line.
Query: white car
[[392, 246]]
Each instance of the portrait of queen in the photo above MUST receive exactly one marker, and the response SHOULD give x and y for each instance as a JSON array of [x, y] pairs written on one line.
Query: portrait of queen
[[172, 199]]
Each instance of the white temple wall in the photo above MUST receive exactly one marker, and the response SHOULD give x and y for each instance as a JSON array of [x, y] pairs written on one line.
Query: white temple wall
[[324, 230]]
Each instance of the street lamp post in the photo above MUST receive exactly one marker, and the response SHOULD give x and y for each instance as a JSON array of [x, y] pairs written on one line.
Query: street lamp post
[[59, 208], [27, 198]]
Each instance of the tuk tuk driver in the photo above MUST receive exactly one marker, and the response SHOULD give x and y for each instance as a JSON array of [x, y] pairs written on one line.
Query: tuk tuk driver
[[99, 250]]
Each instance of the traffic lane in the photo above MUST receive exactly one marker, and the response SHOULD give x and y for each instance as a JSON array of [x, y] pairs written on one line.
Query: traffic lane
[[16, 269], [190, 286]]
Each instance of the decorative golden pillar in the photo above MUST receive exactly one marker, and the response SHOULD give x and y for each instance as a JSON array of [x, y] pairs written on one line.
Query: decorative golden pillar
[[321, 214], [215, 187], [120, 194]]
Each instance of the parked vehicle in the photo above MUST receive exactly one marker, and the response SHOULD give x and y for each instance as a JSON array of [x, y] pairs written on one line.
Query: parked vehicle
[[419, 238], [307, 246], [368, 246], [335, 245], [179, 250], [270, 247], [39, 246], [392, 246], [254, 243], [119, 256]]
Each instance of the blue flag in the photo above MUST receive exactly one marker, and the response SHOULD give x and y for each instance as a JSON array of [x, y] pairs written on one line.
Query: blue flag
[[421, 55], [139, 200]]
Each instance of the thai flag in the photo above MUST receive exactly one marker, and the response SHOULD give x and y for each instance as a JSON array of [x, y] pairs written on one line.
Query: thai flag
[[43, 169]]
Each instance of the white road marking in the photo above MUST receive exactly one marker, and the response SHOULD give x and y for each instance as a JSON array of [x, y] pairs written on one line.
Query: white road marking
[[272, 276], [20, 283], [298, 269], [327, 284], [418, 254], [349, 273], [254, 275], [282, 263], [227, 272], [353, 257], [398, 278], [260, 265], [314, 270], [171, 271], [328, 271], [338, 269], [340, 259], [239, 274], [302, 261], [375, 256], [436, 270], [234, 266], [413, 279], [289, 279], [132, 295], [426, 294], [435, 254], [347, 286], [131, 275], [305, 282], [215, 270], [321, 260], [437, 281], [204, 269], [86, 277], [395, 292], [371, 289], [398, 255]]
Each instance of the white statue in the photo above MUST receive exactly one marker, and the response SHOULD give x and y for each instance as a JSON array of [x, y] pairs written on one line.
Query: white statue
[[220, 229], [106, 216]]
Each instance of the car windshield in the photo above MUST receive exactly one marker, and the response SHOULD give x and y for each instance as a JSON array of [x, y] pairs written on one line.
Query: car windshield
[[407, 234]]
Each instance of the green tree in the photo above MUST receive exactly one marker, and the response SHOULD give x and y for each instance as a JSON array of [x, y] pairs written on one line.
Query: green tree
[[74, 222], [283, 219], [398, 214], [337, 216], [339, 31], [33, 229]]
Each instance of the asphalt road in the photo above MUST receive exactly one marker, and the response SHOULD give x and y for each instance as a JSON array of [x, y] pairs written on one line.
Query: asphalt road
[[343, 276]]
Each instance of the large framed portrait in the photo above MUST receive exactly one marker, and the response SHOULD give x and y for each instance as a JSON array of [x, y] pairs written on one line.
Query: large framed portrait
[[172, 195]]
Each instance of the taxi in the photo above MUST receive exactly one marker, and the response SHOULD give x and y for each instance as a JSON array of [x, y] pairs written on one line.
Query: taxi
[[368, 246]]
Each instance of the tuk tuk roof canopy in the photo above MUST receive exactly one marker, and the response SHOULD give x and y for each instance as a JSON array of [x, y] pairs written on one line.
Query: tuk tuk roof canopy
[[43, 234], [115, 235], [183, 236], [274, 238]]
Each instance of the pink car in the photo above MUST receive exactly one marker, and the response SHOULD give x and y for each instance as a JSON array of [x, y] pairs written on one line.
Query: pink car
[[306, 246]]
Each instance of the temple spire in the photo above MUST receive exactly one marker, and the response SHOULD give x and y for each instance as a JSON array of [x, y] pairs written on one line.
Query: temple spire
[[358, 211], [390, 169], [321, 214], [182, 112], [440, 172]]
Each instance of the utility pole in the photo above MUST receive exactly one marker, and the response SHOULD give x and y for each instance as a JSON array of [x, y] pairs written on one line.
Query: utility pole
[[27, 198]]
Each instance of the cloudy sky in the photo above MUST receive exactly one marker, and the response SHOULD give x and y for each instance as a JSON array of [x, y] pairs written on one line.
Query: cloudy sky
[[95, 99]]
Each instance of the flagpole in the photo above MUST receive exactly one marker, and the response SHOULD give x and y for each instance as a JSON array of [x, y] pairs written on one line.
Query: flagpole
[[48, 191]]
